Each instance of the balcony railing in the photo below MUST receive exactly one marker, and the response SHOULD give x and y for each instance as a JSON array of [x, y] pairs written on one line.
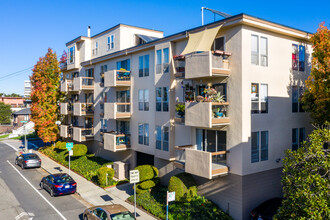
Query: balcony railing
[[83, 134], [202, 64], [115, 78], [66, 85], [209, 114], [116, 142], [117, 110], [179, 112], [83, 83], [201, 163], [81, 109], [63, 66], [64, 131], [65, 108]]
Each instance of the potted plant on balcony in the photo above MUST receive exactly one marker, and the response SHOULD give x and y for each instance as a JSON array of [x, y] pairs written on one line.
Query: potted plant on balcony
[[180, 108], [218, 113], [218, 97]]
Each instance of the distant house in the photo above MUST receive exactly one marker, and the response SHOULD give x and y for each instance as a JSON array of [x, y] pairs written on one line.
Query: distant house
[[16, 103], [22, 115]]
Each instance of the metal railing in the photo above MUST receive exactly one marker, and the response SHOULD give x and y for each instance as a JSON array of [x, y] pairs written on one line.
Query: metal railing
[[123, 107], [87, 81], [123, 75], [123, 139], [87, 108]]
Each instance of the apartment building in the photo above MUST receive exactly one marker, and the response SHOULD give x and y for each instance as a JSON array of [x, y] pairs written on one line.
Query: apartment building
[[239, 80], [27, 88]]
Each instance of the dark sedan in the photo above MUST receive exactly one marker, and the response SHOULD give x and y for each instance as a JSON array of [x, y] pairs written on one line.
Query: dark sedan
[[266, 210], [29, 160], [58, 184]]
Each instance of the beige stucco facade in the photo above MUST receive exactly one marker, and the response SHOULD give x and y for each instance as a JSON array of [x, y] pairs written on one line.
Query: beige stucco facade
[[216, 148]]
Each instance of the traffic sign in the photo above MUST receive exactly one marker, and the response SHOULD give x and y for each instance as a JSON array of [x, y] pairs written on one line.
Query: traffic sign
[[69, 146], [23, 121], [134, 176], [171, 196], [70, 152]]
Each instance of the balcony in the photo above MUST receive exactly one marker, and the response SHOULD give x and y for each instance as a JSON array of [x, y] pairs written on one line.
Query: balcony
[[116, 142], [65, 108], [66, 85], [117, 110], [83, 109], [203, 64], [83, 83], [206, 114], [83, 134], [63, 66], [117, 78], [65, 131], [201, 163]]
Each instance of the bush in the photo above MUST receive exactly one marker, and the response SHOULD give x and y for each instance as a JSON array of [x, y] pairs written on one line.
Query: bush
[[147, 172], [184, 186], [60, 145], [101, 175], [148, 184], [79, 150]]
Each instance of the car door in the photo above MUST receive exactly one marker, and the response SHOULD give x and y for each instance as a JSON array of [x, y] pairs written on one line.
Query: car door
[[19, 160], [48, 183]]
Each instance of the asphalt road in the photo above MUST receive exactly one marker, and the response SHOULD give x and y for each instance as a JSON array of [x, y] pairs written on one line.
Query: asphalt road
[[21, 196]]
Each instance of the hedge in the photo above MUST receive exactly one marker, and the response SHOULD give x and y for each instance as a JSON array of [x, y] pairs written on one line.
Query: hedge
[[101, 175], [147, 172], [60, 145], [148, 184], [184, 186], [79, 150]]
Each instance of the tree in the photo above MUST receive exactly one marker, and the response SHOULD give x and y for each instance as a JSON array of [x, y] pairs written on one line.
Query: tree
[[44, 95], [5, 113], [316, 98], [306, 180]]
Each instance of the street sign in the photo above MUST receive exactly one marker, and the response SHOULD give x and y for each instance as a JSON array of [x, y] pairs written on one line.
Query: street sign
[[23, 121], [69, 146], [70, 152], [134, 176], [171, 196]]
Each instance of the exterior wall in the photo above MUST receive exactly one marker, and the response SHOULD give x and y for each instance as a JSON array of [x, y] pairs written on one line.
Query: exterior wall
[[13, 101]]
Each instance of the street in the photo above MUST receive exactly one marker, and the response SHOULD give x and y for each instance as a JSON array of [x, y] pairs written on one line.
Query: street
[[22, 198]]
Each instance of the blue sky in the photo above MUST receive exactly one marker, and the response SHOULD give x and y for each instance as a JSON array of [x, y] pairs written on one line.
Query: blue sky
[[28, 28]]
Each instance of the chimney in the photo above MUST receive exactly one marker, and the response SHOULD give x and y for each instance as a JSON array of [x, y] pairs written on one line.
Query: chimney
[[89, 31]]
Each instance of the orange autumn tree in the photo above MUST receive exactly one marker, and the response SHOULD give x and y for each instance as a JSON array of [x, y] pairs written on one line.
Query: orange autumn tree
[[316, 98], [45, 82]]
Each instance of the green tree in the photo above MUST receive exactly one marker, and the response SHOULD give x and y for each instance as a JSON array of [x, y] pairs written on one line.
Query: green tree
[[45, 82], [316, 98], [5, 113], [306, 180]]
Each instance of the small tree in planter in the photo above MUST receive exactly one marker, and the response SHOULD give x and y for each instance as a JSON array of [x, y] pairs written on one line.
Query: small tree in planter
[[148, 178]]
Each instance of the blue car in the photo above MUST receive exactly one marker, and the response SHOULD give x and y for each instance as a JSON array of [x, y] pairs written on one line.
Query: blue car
[[58, 184]]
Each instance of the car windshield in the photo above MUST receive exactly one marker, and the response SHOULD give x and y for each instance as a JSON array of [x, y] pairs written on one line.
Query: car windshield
[[63, 179], [29, 157], [122, 216]]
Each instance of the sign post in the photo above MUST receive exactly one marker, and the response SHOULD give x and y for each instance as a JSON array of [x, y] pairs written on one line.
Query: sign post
[[170, 196], [69, 146], [25, 143], [134, 177]]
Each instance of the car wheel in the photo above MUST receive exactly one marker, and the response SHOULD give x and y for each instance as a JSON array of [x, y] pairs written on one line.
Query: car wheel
[[16, 162], [52, 193], [22, 166], [42, 185], [85, 217]]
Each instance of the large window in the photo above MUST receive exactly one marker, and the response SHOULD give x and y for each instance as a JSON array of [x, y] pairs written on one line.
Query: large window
[[71, 55], [259, 50], [297, 93], [298, 136], [165, 138], [123, 96], [110, 43], [124, 64], [166, 60], [162, 132], [158, 137], [162, 99], [259, 146], [104, 125], [259, 98], [298, 57], [219, 44], [96, 46], [144, 65], [144, 99], [159, 99], [158, 61], [144, 134], [162, 61]]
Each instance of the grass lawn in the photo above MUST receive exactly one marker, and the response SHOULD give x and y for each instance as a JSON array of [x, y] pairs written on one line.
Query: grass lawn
[[199, 208], [4, 136], [86, 165]]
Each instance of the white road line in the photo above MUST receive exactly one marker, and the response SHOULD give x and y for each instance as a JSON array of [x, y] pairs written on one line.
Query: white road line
[[60, 214], [11, 146]]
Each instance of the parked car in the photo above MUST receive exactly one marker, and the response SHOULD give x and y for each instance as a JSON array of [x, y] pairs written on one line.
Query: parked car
[[108, 212], [28, 160], [58, 184], [266, 210]]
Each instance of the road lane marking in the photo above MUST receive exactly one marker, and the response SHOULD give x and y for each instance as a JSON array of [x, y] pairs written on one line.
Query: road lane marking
[[51, 205], [11, 146], [29, 214]]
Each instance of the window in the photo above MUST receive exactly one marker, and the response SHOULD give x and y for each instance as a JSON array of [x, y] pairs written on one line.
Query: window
[[71, 53], [165, 138], [144, 99], [104, 125], [110, 43], [158, 61], [143, 134], [298, 57], [254, 147], [143, 65], [298, 136], [259, 54], [123, 96], [95, 48], [219, 44], [89, 72], [264, 146], [259, 105], [259, 147], [158, 99], [104, 68], [158, 137], [122, 127], [166, 65], [124, 64], [165, 99], [297, 93]]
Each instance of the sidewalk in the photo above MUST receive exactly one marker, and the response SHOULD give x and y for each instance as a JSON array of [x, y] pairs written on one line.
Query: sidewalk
[[90, 192]]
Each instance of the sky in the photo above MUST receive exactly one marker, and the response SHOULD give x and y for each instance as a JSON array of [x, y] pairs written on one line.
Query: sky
[[29, 28]]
